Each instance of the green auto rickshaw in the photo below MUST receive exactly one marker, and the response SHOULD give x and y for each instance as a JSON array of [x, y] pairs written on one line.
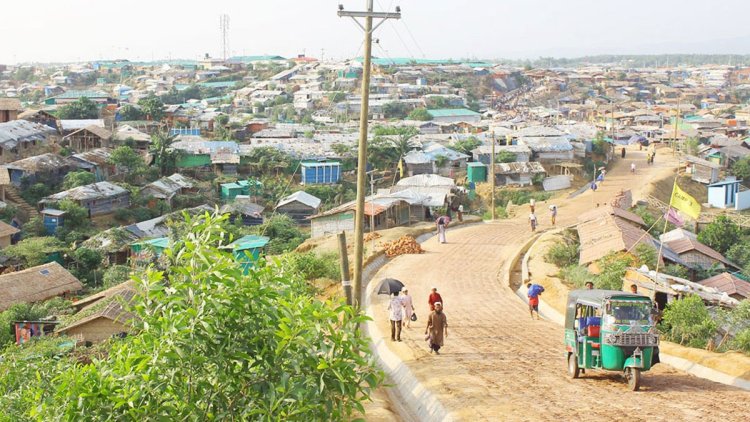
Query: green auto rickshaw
[[610, 330]]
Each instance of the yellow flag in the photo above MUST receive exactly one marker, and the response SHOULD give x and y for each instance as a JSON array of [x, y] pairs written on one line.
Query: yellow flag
[[401, 167], [685, 203]]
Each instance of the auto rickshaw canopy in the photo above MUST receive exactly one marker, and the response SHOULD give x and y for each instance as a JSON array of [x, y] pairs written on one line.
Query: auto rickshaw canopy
[[595, 298]]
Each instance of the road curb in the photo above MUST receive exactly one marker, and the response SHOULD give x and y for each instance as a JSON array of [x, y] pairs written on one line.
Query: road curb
[[548, 312]]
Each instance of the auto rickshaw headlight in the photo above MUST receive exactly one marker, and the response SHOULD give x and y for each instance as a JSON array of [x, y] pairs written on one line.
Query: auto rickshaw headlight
[[610, 339]]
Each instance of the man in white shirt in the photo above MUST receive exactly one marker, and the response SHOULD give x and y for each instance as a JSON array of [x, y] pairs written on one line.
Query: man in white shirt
[[396, 315]]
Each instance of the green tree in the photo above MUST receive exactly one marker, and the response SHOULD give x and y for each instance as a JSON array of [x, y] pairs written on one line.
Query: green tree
[[284, 233], [76, 216], [115, 275], [741, 169], [688, 322], [211, 343], [505, 157], [269, 160], [646, 255], [78, 178], [87, 265], [164, 155], [336, 97], [612, 270], [82, 108], [720, 234], [34, 251], [466, 146], [131, 113], [153, 107], [739, 253], [34, 193], [127, 160], [341, 150], [395, 110], [420, 113]]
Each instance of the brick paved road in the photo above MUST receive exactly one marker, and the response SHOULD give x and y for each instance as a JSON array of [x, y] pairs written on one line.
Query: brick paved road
[[498, 364]]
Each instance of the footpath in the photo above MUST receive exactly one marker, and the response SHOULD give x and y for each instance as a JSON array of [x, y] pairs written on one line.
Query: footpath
[[498, 363]]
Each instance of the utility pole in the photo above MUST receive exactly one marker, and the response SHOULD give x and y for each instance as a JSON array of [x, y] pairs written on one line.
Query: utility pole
[[492, 177], [676, 120], [345, 282], [359, 215]]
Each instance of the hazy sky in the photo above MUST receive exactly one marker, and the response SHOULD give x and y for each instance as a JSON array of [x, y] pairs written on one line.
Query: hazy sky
[[69, 30]]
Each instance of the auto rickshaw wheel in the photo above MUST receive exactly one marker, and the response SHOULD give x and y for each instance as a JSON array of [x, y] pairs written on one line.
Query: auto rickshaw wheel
[[633, 375], [573, 369]]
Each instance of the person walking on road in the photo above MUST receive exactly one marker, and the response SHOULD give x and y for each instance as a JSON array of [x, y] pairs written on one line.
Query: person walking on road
[[396, 308], [532, 221], [534, 290], [622, 152], [434, 298], [632, 168], [553, 213], [593, 186], [461, 212], [408, 307], [441, 223], [437, 328]]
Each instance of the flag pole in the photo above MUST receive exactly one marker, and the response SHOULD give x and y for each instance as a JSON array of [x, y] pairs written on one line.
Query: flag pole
[[666, 222]]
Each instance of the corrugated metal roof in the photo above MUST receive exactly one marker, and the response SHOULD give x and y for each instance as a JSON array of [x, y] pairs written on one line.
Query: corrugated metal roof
[[76, 94], [687, 244], [92, 191], [301, 197], [609, 234], [78, 124], [452, 112], [547, 143], [426, 180], [728, 284], [18, 131], [597, 213], [525, 167], [40, 162], [250, 241]]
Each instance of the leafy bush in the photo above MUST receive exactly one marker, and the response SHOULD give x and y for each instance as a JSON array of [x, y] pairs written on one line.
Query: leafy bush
[[284, 233], [75, 179], [7, 213], [76, 216], [501, 213], [34, 251], [34, 193], [721, 234], [645, 255], [311, 266], [563, 253], [212, 343], [115, 275], [577, 275], [688, 322], [612, 267], [676, 270]]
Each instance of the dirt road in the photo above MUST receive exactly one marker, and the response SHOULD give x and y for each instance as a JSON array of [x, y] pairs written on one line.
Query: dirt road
[[499, 364]]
